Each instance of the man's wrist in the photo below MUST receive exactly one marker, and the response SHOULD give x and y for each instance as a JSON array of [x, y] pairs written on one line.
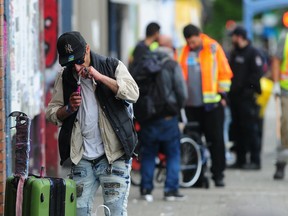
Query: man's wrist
[[223, 95], [68, 108]]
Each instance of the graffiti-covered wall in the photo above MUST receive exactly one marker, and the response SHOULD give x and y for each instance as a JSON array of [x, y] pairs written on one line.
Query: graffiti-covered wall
[[51, 23], [24, 47], [24, 70], [51, 31]]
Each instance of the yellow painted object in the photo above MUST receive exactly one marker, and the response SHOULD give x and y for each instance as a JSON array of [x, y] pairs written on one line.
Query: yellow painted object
[[263, 98]]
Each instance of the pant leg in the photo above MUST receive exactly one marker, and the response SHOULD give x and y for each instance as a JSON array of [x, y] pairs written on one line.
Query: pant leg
[[236, 129], [284, 121], [282, 150], [195, 115], [115, 182], [169, 137], [260, 126], [86, 185], [250, 128], [148, 151], [213, 130]]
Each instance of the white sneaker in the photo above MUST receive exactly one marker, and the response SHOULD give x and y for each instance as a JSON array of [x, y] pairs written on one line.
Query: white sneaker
[[147, 197]]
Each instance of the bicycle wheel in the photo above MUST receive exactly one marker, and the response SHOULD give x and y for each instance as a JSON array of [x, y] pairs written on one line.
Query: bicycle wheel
[[191, 162], [135, 172]]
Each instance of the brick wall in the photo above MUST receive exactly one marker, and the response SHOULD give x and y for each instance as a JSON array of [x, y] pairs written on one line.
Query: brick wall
[[2, 116]]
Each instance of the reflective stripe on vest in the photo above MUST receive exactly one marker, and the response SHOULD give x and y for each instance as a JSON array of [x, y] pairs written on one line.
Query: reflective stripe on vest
[[224, 86], [211, 97]]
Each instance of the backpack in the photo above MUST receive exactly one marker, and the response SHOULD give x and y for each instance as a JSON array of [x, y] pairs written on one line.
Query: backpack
[[149, 73]]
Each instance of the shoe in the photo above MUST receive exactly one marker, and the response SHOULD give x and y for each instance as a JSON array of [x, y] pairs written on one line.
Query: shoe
[[219, 182], [147, 195], [235, 166], [280, 168], [173, 196], [251, 166]]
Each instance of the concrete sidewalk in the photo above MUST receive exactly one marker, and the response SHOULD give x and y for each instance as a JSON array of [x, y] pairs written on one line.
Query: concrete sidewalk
[[247, 193]]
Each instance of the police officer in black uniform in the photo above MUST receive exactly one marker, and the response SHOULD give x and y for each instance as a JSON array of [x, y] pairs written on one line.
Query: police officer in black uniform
[[246, 64]]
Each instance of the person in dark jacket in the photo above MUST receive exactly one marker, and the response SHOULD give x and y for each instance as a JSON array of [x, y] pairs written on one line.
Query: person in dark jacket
[[148, 44], [97, 134], [247, 66], [162, 132]]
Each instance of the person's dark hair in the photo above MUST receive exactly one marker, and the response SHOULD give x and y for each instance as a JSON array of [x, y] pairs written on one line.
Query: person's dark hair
[[191, 30], [239, 31], [152, 28]]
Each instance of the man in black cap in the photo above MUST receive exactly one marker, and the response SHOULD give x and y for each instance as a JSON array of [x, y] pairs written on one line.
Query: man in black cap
[[89, 102], [246, 64]]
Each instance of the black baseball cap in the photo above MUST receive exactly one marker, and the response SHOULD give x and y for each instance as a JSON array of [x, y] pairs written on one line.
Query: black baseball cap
[[71, 47], [239, 31]]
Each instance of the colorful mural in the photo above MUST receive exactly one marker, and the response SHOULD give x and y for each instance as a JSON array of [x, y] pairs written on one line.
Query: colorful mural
[[51, 24], [51, 31]]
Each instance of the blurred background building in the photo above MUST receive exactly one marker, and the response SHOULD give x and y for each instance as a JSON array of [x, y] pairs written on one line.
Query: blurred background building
[[29, 30]]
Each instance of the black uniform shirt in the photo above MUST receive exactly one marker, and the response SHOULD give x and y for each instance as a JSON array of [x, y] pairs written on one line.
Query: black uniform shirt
[[247, 66]]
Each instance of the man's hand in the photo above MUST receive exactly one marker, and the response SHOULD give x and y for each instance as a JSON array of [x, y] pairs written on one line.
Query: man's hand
[[94, 73], [91, 72], [223, 102], [74, 101], [88, 72], [276, 89], [68, 109]]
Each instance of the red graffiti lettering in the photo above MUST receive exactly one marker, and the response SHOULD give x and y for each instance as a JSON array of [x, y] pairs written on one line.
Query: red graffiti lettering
[[51, 31]]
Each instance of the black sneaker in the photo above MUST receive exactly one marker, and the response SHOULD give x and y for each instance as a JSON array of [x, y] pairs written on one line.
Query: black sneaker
[[147, 195], [219, 182], [234, 166], [251, 166], [173, 196]]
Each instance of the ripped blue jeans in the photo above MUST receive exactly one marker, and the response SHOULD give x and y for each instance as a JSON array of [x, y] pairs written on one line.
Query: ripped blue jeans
[[114, 180]]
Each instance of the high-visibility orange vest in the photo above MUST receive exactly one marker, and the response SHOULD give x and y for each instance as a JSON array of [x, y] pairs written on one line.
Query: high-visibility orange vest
[[215, 70]]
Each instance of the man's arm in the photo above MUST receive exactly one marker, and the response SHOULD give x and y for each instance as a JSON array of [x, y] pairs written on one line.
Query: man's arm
[[224, 71], [56, 110], [124, 86], [256, 71], [107, 81], [224, 75], [275, 67], [128, 88], [56, 104], [74, 103]]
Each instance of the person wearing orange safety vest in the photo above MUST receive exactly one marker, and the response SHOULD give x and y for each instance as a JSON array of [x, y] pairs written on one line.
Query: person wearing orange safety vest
[[280, 90], [208, 76]]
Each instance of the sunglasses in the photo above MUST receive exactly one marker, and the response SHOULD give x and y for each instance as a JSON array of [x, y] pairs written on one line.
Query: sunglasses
[[80, 61], [77, 61]]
